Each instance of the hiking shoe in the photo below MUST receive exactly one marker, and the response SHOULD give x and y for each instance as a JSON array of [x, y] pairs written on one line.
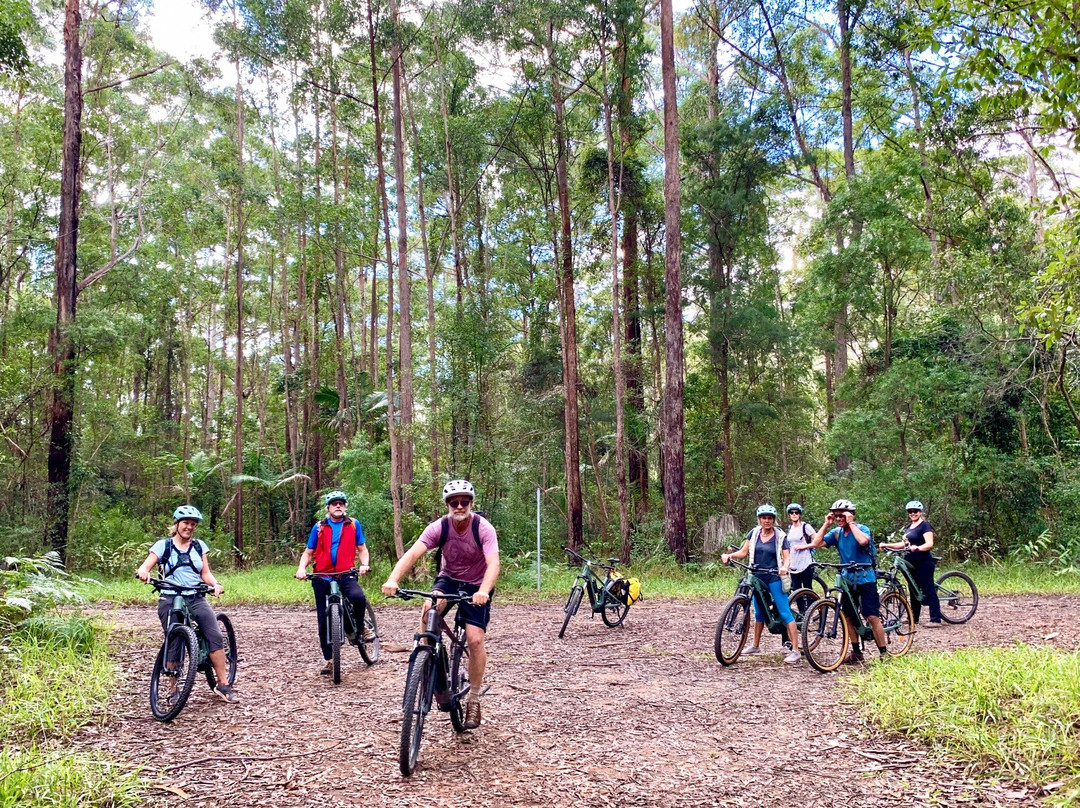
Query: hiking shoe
[[793, 657], [472, 714], [752, 650], [327, 669], [854, 658], [225, 693], [369, 634]]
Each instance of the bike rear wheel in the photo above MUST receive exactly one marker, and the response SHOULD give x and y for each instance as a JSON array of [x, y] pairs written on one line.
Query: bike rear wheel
[[172, 679], [800, 602], [229, 636], [335, 630], [958, 595], [459, 683], [825, 636], [571, 607], [614, 610], [415, 707], [817, 583], [369, 649], [732, 629], [898, 623]]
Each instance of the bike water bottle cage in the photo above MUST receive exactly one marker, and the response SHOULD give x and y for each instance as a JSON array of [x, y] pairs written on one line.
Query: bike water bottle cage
[[183, 559]]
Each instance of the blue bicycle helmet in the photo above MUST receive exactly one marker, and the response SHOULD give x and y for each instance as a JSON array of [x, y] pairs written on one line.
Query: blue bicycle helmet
[[914, 505], [766, 510], [794, 506], [187, 512], [336, 495]]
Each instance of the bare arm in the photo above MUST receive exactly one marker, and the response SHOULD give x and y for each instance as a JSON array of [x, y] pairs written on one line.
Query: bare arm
[[490, 575], [860, 537], [928, 542], [208, 577], [143, 572], [364, 558], [405, 563], [742, 552]]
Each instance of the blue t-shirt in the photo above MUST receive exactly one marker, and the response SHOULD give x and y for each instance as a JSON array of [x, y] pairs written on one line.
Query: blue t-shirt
[[851, 552], [183, 575], [335, 535]]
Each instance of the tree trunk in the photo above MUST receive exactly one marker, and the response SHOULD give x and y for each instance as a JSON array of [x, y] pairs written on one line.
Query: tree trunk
[[238, 371], [62, 414], [568, 308], [674, 494], [405, 362], [380, 164]]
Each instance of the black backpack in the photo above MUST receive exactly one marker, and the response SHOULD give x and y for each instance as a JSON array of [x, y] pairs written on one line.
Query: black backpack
[[183, 558], [444, 534]]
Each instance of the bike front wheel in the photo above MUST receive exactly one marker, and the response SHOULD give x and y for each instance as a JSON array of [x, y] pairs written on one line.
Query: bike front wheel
[[414, 708], [958, 595], [369, 649], [336, 631], [459, 684], [571, 608], [229, 636], [825, 636], [898, 623], [174, 672], [800, 602], [731, 630], [614, 610]]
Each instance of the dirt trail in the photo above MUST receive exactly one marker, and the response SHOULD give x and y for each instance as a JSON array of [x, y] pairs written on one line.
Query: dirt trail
[[639, 715]]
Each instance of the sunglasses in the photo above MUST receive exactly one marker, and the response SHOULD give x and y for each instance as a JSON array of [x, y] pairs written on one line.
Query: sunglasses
[[459, 503], [792, 513], [914, 510], [839, 513], [336, 503]]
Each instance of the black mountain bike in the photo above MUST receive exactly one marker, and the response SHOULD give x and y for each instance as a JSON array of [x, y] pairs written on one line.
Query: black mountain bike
[[438, 670], [341, 624], [957, 593], [603, 597], [184, 652]]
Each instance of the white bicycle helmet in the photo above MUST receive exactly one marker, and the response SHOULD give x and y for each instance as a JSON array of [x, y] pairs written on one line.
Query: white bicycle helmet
[[914, 505], [187, 512], [843, 505], [766, 510], [458, 487]]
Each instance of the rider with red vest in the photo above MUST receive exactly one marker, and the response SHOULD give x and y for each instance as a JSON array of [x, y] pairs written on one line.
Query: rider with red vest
[[336, 544]]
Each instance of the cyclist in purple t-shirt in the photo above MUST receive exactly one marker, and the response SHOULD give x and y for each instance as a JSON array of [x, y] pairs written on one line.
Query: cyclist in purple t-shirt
[[470, 563]]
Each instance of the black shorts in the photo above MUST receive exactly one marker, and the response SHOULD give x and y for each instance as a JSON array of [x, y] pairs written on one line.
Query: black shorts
[[469, 612], [867, 600]]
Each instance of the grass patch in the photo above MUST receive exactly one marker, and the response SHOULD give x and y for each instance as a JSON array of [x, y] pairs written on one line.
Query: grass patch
[[275, 585], [64, 779], [57, 677], [1009, 711]]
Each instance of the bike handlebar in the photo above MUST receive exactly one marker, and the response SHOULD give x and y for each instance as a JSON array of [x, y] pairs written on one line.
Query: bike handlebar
[[337, 574], [754, 568], [161, 585], [409, 594], [851, 565], [582, 558]]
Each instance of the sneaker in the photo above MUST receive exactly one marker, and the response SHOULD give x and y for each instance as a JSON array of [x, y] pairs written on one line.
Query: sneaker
[[793, 657], [472, 714], [225, 693], [327, 669], [752, 650], [933, 624], [369, 634], [854, 658]]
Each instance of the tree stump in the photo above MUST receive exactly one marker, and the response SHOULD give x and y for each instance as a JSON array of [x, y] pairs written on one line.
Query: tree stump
[[718, 529]]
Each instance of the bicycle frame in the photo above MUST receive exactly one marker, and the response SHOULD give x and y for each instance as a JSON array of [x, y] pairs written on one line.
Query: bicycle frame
[[900, 566], [181, 614], [752, 586], [594, 585], [846, 605]]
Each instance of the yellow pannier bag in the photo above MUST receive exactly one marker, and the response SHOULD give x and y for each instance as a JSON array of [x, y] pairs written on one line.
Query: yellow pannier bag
[[633, 591]]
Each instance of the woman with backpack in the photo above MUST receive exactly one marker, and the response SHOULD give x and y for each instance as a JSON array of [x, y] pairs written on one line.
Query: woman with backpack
[[799, 534], [767, 546], [184, 562]]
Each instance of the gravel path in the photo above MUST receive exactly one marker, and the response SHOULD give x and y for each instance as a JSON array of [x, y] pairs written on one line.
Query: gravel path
[[640, 715]]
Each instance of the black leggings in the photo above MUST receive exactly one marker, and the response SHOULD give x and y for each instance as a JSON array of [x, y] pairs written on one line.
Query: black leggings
[[350, 588], [804, 578], [924, 577]]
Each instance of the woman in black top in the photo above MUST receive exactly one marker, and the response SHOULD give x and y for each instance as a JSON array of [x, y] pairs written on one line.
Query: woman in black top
[[919, 541]]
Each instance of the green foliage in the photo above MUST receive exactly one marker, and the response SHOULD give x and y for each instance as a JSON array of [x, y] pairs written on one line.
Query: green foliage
[[1010, 712], [108, 539], [33, 586], [66, 779]]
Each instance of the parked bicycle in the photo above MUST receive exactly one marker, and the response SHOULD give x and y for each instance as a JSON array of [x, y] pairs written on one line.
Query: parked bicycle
[[184, 652], [734, 625], [438, 670], [956, 591], [342, 625], [607, 597], [825, 632]]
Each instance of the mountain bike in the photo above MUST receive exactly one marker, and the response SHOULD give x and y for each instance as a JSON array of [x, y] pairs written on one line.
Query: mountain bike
[[341, 624], [184, 652], [602, 596], [438, 670], [825, 632], [957, 593], [734, 625]]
